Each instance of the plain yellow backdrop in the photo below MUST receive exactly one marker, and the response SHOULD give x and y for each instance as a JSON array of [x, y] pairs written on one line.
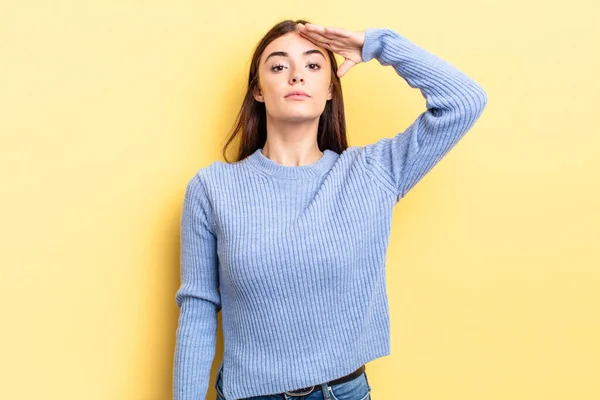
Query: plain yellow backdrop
[[108, 108]]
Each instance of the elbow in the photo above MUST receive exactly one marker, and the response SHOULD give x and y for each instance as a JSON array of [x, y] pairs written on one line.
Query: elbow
[[477, 102], [470, 104], [480, 97], [483, 98]]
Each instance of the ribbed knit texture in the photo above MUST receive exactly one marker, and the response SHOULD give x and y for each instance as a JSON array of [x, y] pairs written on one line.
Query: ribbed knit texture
[[294, 256]]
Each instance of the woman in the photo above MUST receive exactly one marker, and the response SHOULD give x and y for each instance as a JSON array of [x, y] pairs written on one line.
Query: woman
[[289, 241]]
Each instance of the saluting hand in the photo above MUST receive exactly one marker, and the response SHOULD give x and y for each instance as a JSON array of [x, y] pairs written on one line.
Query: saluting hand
[[347, 44]]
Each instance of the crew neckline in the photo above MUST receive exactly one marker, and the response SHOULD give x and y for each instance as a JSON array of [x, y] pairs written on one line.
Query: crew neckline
[[264, 164]]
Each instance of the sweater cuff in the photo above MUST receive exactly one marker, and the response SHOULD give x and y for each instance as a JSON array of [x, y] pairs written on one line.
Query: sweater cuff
[[372, 45]]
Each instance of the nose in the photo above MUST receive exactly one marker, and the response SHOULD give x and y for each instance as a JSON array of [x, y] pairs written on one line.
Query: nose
[[297, 75]]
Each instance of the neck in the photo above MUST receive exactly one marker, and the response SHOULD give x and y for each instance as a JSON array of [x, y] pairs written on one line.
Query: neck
[[292, 143]]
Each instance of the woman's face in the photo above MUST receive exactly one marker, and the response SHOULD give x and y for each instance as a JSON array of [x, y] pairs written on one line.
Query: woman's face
[[292, 63]]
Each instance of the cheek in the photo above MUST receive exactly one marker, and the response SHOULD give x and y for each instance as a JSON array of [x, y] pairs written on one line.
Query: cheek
[[324, 88], [273, 86], [324, 80]]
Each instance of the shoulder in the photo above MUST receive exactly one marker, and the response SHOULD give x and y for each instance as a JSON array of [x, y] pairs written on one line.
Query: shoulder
[[201, 191], [214, 171], [354, 156], [209, 179]]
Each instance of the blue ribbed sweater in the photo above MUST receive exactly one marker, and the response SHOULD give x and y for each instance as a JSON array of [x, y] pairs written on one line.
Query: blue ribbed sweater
[[294, 256]]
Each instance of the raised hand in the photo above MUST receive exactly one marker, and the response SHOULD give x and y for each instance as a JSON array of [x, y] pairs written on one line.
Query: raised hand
[[347, 44]]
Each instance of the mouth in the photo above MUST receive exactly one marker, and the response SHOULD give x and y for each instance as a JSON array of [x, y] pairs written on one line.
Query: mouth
[[297, 95]]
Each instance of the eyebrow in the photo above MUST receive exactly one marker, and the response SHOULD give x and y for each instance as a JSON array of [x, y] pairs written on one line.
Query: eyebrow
[[284, 54]]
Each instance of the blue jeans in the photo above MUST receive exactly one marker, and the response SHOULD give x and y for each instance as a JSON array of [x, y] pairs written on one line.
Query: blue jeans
[[355, 389]]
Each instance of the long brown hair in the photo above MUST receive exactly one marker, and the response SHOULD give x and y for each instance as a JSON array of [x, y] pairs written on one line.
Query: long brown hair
[[251, 120]]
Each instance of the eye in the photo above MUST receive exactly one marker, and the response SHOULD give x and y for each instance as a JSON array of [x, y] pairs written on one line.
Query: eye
[[279, 67], [274, 68]]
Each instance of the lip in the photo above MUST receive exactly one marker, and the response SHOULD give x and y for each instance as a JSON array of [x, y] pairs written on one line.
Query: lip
[[297, 97], [297, 94]]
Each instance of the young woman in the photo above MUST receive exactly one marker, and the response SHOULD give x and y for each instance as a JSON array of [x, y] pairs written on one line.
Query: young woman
[[289, 241]]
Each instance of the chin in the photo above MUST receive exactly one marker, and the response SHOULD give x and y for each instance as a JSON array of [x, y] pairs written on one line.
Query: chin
[[296, 114], [299, 117]]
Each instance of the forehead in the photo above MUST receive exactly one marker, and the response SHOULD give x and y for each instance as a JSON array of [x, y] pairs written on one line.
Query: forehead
[[294, 44]]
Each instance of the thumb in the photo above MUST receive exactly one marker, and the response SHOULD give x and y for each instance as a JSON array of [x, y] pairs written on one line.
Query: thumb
[[345, 67]]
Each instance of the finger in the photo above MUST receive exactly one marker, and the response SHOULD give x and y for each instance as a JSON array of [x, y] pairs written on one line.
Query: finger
[[317, 39], [333, 41], [316, 34], [315, 28], [338, 32], [328, 31], [345, 67]]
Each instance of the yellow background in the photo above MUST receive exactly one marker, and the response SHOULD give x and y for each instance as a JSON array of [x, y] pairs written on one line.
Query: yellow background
[[108, 108]]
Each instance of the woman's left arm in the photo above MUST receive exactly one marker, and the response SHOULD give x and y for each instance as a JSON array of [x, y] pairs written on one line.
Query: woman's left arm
[[453, 100]]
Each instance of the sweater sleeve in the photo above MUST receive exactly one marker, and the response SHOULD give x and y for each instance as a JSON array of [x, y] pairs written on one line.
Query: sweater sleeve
[[453, 100], [198, 297]]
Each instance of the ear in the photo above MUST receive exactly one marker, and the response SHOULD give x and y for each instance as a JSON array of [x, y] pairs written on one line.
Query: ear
[[258, 95], [330, 92]]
